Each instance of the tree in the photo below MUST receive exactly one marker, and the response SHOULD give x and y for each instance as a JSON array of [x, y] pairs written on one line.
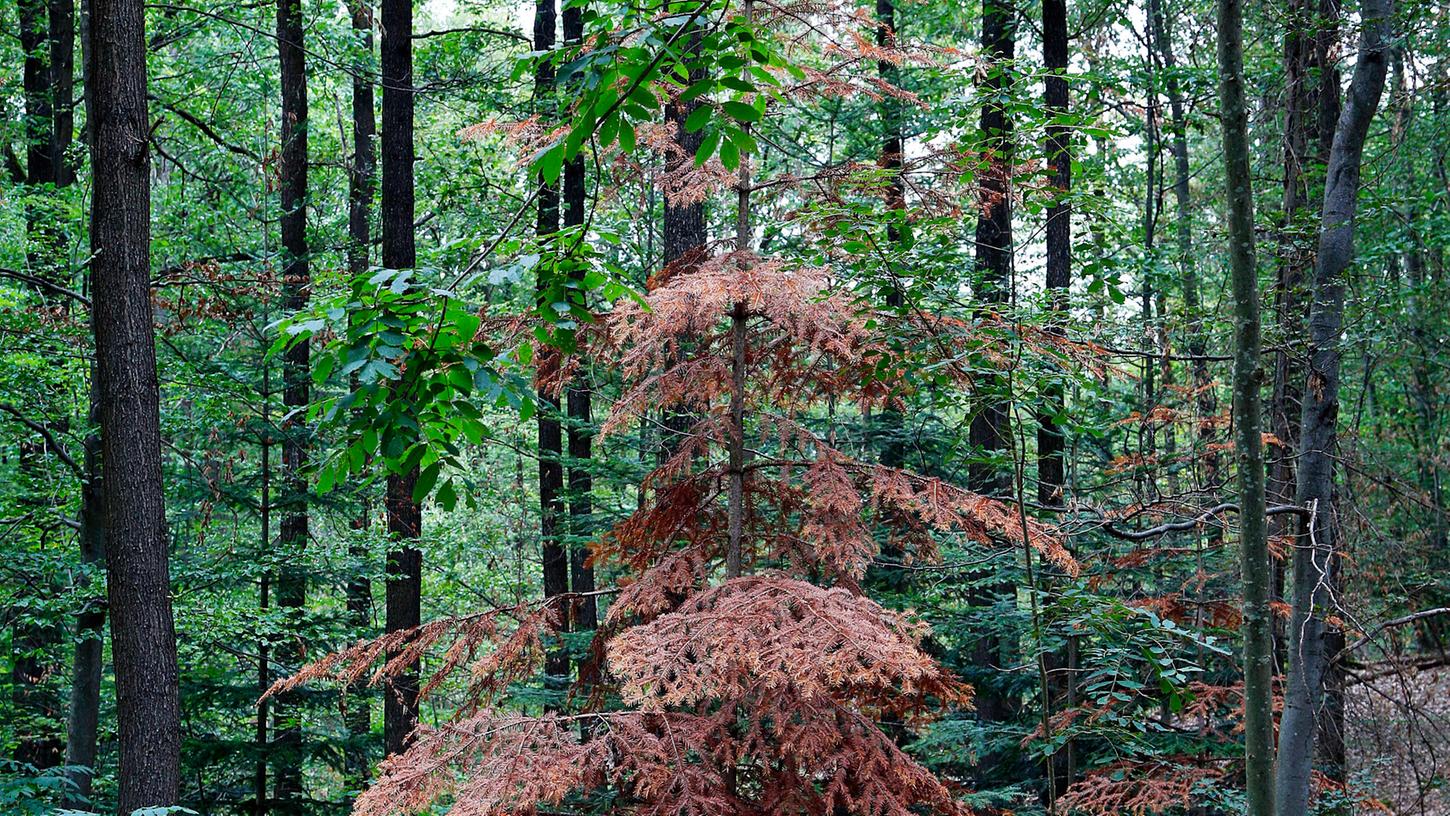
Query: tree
[[747, 692], [551, 439], [405, 512], [296, 378], [361, 187], [1258, 660], [143, 634], [994, 250], [584, 615], [1051, 474], [1315, 560]]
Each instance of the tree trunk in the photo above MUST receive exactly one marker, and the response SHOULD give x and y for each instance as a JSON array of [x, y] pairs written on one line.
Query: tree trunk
[[404, 573], [1051, 475], [35, 643], [296, 377], [551, 436], [1249, 451], [1314, 562], [735, 443], [83, 720], [683, 230], [585, 611], [988, 429], [403, 598], [1312, 83], [360, 181], [62, 88], [143, 633], [1206, 402]]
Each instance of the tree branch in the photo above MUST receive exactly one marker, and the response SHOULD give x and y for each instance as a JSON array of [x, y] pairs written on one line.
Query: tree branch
[[52, 444]]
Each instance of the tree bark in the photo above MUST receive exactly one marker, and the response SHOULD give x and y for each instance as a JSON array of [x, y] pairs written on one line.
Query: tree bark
[[296, 377], [143, 632], [585, 611], [1312, 93], [683, 231], [1051, 474], [994, 224], [1206, 402], [1315, 559], [404, 573], [988, 429], [403, 598], [1249, 452], [83, 720], [550, 429], [361, 184]]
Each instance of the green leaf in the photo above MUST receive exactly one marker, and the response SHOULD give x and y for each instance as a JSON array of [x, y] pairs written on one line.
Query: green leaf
[[730, 156], [550, 162], [741, 112], [707, 147], [427, 477], [626, 137], [447, 496], [698, 118]]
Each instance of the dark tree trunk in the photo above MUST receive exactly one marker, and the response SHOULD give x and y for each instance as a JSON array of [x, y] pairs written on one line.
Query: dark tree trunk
[[33, 17], [1206, 402], [580, 398], [296, 376], [1249, 451], [551, 435], [361, 184], [405, 516], [36, 643], [988, 429], [62, 88], [143, 633], [893, 151], [1313, 92], [1311, 640], [683, 231], [404, 608], [1051, 475], [83, 721]]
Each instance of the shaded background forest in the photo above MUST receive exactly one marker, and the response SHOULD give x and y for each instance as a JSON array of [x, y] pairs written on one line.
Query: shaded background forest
[[1042, 283]]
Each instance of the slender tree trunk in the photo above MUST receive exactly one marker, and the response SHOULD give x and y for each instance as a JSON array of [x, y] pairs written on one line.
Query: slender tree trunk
[[296, 377], [1206, 402], [988, 429], [261, 729], [1051, 475], [405, 516], [1309, 639], [893, 149], [585, 615], [994, 224], [735, 509], [36, 643], [143, 633], [683, 230], [1249, 451], [1311, 82], [360, 190], [62, 88], [83, 720], [551, 436]]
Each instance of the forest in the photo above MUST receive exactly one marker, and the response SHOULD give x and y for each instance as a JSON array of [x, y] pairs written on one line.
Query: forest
[[724, 407]]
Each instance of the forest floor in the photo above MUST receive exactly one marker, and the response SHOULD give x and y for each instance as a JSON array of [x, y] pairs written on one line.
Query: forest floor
[[1399, 735]]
